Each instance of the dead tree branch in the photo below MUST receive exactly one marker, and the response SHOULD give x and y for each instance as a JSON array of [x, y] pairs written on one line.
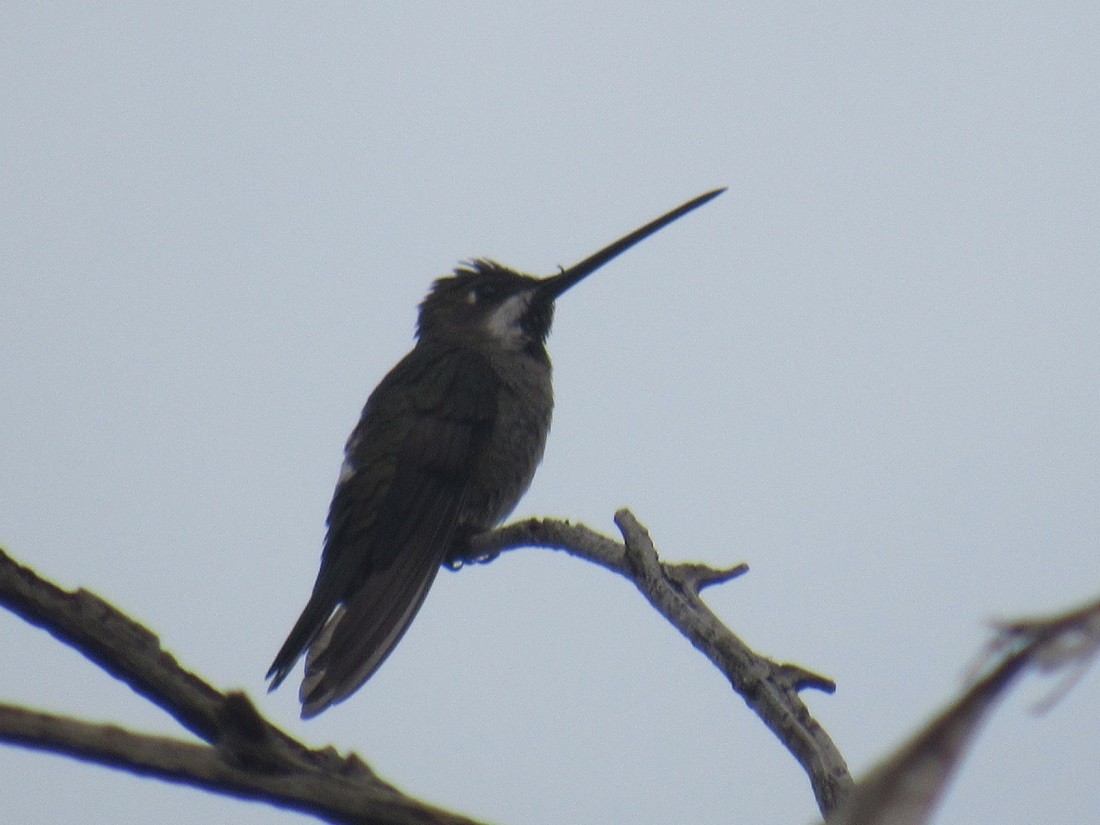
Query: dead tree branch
[[905, 788], [769, 688], [354, 797], [247, 756]]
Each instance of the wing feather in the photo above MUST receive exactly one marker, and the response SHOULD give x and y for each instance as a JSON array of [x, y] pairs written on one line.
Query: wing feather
[[394, 517]]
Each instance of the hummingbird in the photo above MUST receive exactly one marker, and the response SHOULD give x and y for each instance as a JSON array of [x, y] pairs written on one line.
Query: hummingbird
[[446, 446]]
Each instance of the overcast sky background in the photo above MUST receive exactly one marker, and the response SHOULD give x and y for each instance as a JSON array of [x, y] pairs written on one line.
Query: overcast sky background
[[871, 370]]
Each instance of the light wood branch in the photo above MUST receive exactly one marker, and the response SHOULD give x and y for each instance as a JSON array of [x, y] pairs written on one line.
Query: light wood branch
[[247, 756], [768, 687]]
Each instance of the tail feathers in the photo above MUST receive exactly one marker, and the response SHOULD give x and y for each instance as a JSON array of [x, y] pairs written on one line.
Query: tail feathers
[[363, 631], [309, 624]]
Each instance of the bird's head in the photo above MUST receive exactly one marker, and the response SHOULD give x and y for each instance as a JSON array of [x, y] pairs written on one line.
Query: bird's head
[[484, 301]]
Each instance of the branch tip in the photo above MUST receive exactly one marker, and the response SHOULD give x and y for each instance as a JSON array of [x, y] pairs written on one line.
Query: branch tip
[[695, 578], [798, 679], [639, 550]]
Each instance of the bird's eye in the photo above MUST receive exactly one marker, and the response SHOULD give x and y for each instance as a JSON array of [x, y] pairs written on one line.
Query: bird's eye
[[483, 293]]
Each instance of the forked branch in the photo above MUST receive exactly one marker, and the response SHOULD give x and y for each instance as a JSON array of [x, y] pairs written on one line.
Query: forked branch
[[768, 687], [247, 756]]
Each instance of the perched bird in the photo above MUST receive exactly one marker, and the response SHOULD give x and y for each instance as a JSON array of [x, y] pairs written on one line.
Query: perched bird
[[447, 444]]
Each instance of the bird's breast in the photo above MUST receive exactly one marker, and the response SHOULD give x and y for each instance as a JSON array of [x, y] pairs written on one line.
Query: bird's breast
[[525, 403]]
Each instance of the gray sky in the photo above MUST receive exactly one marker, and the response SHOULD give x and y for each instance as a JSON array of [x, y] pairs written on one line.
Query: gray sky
[[870, 370]]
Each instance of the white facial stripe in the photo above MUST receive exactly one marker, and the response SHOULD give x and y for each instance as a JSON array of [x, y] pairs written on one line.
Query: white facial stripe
[[503, 322]]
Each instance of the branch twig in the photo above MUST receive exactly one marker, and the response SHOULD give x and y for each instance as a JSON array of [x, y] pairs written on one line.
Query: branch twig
[[907, 785], [331, 796], [246, 756], [769, 688]]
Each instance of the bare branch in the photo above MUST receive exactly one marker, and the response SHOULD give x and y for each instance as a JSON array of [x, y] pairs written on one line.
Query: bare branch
[[906, 787], [113, 641], [246, 743], [246, 756], [769, 688], [694, 578], [329, 796]]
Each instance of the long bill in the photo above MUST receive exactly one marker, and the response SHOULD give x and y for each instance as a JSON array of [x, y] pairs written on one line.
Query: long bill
[[555, 285]]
